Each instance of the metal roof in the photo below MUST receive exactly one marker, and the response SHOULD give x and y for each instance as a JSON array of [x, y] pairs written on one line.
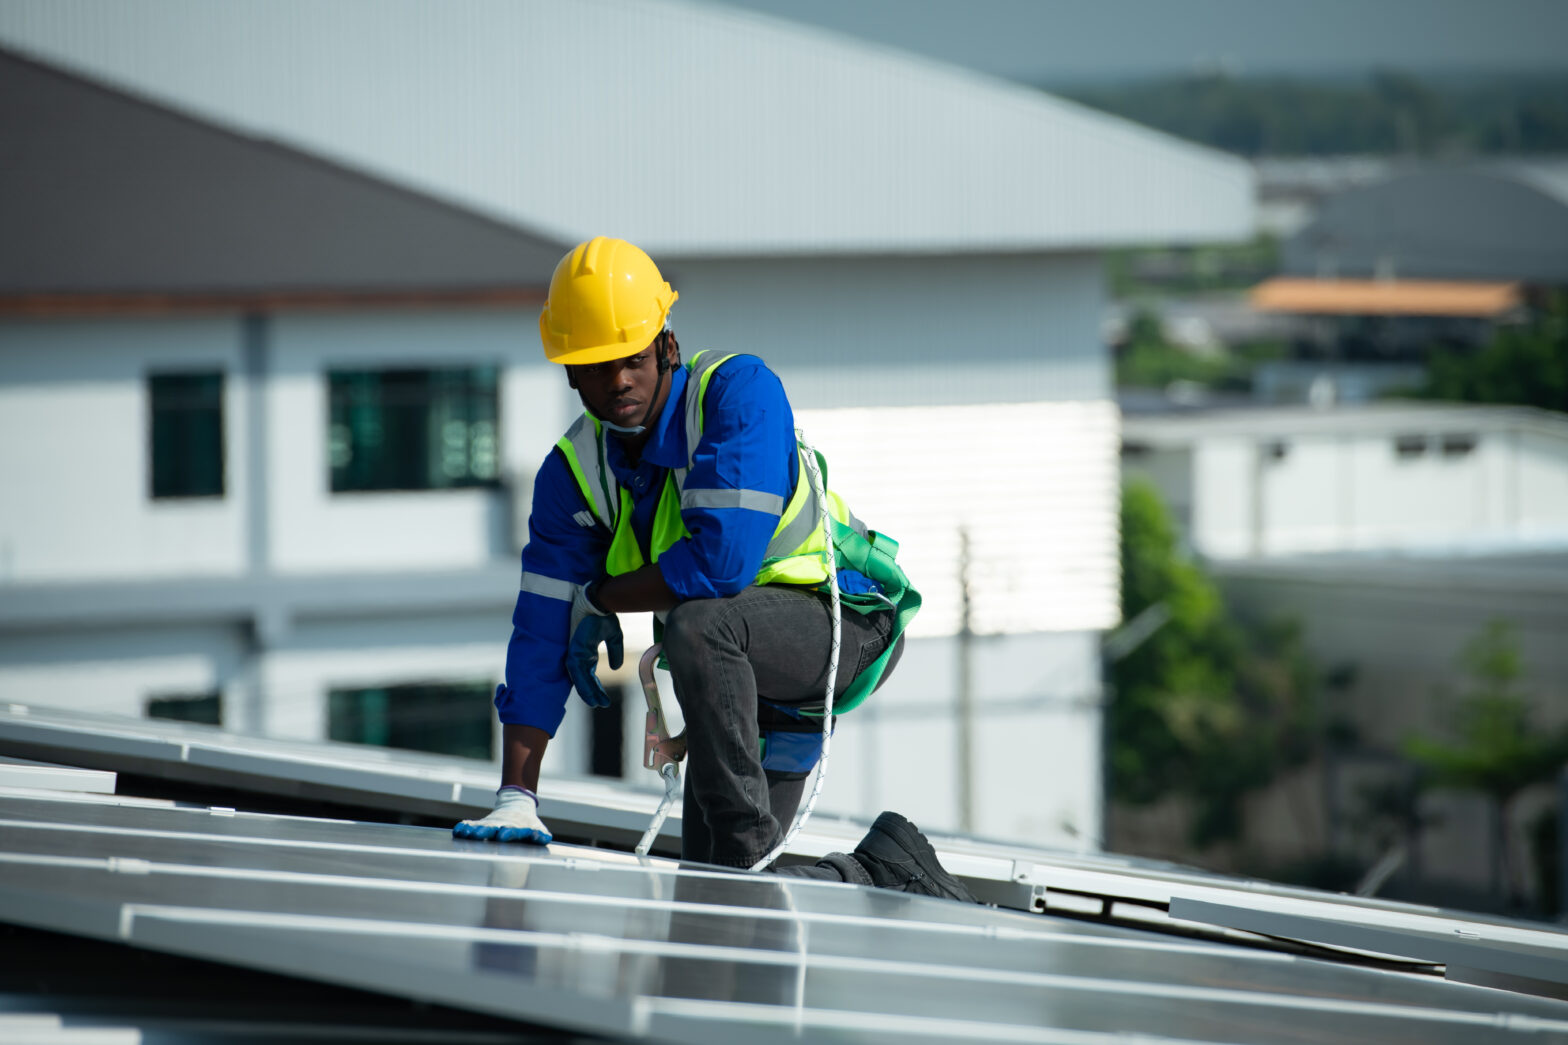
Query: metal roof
[[691, 128], [1549, 176], [1184, 427], [1494, 221], [124, 197], [593, 940], [1533, 581]]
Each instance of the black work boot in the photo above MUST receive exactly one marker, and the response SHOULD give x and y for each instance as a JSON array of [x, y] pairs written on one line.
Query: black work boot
[[897, 856]]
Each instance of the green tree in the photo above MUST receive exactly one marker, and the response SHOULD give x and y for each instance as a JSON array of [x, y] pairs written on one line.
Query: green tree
[[1203, 707], [1525, 365], [1388, 112], [1147, 359], [1496, 748]]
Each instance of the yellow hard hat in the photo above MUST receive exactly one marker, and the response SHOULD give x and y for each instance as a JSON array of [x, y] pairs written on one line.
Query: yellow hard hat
[[607, 301]]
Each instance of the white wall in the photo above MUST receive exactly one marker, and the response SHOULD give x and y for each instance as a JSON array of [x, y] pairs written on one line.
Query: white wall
[[1393, 501], [74, 452], [1540, 483], [1299, 497], [1223, 505], [857, 332], [1036, 755], [1353, 492], [315, 530], [315, 659], [116, 672], [74, 446]]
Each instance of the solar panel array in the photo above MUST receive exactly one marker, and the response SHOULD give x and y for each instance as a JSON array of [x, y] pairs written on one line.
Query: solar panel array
[[594, 940]]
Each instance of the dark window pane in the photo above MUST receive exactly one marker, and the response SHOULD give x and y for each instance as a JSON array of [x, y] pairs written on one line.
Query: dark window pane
[[447, 718], [207, 708], [1410, 445], [1458, 444], [413, 429], [187, 434]]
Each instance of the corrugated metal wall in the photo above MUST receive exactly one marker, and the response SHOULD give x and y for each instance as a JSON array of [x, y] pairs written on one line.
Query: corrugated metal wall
[[1034, 485], [947, 392]]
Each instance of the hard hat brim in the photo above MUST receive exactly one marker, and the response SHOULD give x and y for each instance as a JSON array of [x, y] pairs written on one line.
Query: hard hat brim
[[600, 353]]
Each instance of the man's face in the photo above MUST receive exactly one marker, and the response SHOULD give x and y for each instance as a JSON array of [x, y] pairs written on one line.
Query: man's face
[[621, 390]]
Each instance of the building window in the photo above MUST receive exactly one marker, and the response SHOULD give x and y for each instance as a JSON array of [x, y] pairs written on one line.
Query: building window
[[413, 429], [1458, 444], [1136, 450], [187, 434], [1409, 447], [206, 708], [452, 718], [607, 736]]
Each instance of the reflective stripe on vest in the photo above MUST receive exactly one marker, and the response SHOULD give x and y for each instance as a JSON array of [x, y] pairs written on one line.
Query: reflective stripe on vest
[[584, 441], [795, 552]]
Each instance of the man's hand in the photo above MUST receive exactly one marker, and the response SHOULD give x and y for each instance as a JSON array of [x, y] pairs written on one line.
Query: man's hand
[[590, 626], [515, 818]]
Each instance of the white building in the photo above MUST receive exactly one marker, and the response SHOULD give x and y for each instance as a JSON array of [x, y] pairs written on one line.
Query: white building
[[1395, 534], [913, 248], [1257, 483]]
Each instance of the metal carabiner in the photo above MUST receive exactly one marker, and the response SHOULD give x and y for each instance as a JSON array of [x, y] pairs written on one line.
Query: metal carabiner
[[661, 752]]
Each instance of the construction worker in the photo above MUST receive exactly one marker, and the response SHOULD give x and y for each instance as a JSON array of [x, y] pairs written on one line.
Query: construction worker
[[681, 491]]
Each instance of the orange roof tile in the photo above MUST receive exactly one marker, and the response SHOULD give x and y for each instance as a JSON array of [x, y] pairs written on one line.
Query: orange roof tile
[[1384, 297]]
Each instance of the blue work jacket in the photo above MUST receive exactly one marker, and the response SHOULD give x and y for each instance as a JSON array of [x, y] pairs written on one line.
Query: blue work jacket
[[748, 443]]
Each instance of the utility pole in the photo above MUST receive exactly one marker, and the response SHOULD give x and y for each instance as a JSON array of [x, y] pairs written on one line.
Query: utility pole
[[966, 708]]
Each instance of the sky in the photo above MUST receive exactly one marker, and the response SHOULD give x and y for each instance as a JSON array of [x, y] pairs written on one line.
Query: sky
[[1064, 41]]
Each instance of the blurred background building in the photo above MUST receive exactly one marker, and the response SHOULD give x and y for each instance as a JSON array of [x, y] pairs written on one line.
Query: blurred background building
[[274, 396], [270, 398]]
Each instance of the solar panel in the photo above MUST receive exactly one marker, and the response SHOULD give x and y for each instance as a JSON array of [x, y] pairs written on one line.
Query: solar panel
[[598, 941], [1492, 953], [591, 939], [408, 782]]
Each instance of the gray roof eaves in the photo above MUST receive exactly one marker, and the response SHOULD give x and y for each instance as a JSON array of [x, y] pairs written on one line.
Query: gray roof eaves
[[239, 599]]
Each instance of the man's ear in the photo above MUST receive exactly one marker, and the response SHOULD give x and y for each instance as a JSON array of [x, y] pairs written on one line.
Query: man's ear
[[672, 351], [571, 378]]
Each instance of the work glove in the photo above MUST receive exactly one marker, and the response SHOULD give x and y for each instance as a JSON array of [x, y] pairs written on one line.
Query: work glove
[[515, 818], [590, 626]]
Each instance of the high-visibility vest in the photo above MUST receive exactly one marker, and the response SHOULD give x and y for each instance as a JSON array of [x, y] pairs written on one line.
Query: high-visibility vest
[[796, 552]]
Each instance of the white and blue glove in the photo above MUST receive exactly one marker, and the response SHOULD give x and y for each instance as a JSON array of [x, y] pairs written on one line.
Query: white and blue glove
[[590, 626], [515, 818]]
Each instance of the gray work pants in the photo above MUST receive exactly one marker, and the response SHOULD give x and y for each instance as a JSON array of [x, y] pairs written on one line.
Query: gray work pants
[[769, 642]]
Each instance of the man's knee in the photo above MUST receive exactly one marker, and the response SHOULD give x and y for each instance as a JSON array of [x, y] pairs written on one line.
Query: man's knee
[[689, 628]]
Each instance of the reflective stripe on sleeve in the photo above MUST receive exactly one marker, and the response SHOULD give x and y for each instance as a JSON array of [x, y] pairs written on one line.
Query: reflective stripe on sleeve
[[756, 500], [549, 587]]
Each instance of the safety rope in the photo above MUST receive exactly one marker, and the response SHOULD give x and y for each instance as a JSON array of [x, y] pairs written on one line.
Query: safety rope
[[827, 703]]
